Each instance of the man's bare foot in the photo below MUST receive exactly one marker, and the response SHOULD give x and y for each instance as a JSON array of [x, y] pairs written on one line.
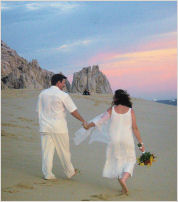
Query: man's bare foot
[[124, 187], [77, 171], [52, 177]]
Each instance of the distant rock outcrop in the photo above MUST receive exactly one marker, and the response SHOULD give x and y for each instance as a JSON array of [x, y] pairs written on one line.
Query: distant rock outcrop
[[90, 79], [17, 72], [68, 87]]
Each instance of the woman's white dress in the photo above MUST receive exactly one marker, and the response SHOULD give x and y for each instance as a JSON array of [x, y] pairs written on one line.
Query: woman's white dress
[[116, 131], [120, 153]]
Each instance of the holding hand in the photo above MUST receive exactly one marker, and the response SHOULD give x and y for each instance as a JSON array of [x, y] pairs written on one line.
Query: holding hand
[[87, 126], [141, 147]]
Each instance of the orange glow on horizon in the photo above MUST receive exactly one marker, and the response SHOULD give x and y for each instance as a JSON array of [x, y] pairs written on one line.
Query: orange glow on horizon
[[155, 69]]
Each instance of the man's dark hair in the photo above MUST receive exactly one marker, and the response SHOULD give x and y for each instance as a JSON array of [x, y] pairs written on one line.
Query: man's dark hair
[[57, 77]]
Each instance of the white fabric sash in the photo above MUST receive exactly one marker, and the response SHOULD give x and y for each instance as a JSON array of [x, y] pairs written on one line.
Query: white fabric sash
[[99, 133]]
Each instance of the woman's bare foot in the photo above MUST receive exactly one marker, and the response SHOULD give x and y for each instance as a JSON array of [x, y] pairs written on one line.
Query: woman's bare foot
[[124, 187], [121, 193]]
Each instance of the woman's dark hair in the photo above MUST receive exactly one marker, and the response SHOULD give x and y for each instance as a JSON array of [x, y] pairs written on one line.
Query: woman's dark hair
[[122, 97], [57, 77]]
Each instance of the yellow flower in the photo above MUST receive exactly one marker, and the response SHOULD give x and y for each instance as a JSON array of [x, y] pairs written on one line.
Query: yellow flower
[[141, 164], [151, 159], [148, 165]]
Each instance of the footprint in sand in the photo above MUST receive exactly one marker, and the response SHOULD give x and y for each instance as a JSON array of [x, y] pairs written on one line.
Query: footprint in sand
[[14, 125], [24, 186], [6, 134], [20, 186], [17, 188], [25, 119], [103, 197], [52, 182], [43, 183], [106, 197], [10, 190], [47, 182], [9, 125]]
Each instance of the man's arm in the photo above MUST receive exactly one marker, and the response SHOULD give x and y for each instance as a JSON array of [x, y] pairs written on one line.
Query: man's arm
[[71, 107], [79, 117]]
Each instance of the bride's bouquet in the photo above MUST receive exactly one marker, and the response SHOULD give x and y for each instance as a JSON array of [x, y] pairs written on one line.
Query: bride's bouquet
[[146, 159]]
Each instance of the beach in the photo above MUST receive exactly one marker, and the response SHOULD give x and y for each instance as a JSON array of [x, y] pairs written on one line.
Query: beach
[[21, 175]]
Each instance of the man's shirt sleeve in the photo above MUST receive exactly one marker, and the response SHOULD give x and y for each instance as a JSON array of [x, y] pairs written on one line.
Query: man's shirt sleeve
[[69, 104]]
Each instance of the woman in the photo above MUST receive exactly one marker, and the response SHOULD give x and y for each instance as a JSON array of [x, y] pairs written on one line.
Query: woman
[[120, 154]]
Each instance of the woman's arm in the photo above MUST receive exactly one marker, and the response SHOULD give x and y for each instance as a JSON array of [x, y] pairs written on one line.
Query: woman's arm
[[109, 110], [136, 130]]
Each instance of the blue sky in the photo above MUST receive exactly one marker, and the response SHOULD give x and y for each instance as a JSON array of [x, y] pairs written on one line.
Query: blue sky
[[66, 36]]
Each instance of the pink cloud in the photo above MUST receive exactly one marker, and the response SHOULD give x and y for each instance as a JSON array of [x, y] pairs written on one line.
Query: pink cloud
[[101, 57], [168, 40], [162, 41], [152, 68]]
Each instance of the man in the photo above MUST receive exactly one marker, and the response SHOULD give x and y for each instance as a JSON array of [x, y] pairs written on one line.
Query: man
[[51, 107]]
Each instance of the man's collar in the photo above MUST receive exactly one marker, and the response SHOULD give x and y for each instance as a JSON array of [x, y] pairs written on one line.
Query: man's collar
[[55, 87]]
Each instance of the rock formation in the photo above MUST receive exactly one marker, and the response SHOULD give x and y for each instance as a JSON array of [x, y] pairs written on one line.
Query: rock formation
[[91, 79], [17, 72]]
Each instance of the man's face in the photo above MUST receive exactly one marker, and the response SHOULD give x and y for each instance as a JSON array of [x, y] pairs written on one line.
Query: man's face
[[62, 84]]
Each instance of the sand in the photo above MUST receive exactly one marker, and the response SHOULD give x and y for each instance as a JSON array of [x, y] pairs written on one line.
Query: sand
[[21, 174]]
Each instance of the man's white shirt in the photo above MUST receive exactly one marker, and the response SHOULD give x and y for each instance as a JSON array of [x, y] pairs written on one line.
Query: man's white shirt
[[51, 108]]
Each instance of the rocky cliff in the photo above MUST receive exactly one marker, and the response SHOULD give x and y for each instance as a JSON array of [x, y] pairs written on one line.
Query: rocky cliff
[[17, 72], [92, 79]]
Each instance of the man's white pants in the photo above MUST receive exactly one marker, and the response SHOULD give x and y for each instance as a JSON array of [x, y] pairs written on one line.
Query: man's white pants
[[60, 142]]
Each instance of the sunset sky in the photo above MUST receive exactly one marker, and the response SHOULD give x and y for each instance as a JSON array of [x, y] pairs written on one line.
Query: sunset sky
[[134, 43]]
